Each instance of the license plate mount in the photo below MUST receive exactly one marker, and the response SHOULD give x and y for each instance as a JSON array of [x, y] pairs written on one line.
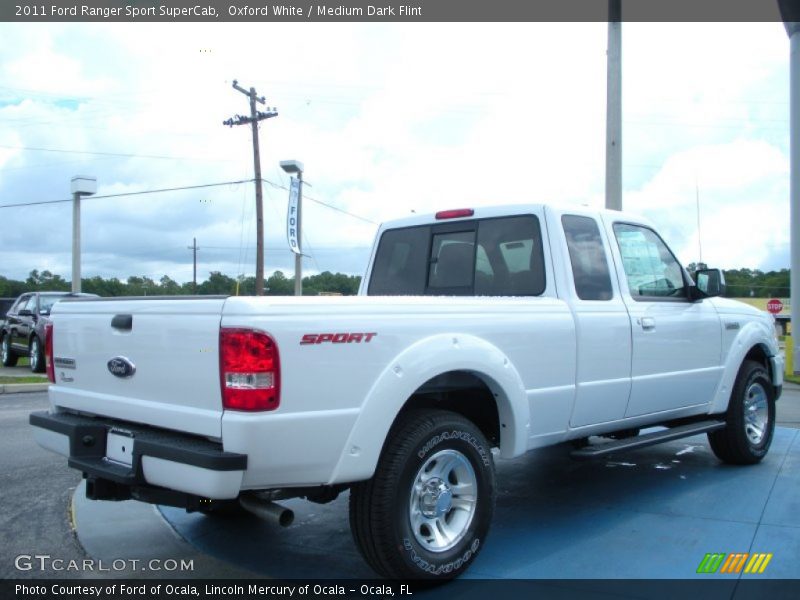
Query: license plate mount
[[119, 447]]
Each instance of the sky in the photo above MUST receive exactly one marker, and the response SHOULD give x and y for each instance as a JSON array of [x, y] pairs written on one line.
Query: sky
[[388, 119]]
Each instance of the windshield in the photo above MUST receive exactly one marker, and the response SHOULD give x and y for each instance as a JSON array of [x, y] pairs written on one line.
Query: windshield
[[46, 302]]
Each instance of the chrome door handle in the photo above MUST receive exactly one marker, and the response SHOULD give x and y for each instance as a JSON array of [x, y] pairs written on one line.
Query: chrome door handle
[[648, 323]]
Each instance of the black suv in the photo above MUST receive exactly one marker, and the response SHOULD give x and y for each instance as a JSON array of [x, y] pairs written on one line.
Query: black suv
[[22, 333]]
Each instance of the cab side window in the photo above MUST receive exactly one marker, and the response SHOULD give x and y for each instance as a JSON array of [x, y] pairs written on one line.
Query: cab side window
[[588, 257], [650, 267]]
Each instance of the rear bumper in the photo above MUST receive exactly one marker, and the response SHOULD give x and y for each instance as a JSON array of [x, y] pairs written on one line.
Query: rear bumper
[[159, 457]]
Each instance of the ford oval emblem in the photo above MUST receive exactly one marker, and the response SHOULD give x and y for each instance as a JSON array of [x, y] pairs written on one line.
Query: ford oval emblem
[[119, 366]]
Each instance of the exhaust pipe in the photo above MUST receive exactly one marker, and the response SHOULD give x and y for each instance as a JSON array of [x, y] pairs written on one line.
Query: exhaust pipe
[[269, 511]]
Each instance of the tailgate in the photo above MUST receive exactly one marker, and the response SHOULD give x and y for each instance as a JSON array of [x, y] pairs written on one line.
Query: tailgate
[[166, 371]]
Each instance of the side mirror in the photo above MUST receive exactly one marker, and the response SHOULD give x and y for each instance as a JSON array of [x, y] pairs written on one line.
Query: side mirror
[[711, 282], [45, 312], [24, 312]]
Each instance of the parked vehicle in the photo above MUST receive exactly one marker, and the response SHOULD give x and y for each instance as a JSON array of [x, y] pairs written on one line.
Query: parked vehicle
[[483, 332], [5, 304], [22, 333]]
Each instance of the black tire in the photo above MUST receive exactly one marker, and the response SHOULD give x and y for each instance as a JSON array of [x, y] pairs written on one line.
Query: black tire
[[750, 418], [36, 354], [7, 355], [422, 445]]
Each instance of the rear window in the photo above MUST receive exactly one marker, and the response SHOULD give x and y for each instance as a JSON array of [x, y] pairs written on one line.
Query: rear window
[[490, 257]]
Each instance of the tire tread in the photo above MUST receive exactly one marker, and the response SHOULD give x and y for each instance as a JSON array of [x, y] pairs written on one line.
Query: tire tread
[[371, 501], [728, 444]]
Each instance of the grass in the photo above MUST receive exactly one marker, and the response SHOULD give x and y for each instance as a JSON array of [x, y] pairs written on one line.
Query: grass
[[792, 378], [30, 379]]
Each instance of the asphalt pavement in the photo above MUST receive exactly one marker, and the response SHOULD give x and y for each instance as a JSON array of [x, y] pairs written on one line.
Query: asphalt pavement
[[41, 507], [35, 493], [37, 524]]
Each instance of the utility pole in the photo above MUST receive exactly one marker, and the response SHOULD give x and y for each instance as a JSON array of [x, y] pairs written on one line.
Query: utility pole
[[793, 29], [194, 250], [253, 119], [614, 107]]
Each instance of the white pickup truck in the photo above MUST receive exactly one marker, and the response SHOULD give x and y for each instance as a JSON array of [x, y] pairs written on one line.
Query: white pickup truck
[[477, 333]]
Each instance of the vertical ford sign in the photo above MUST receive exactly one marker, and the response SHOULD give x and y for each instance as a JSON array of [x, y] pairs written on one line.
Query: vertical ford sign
[[291, 216]]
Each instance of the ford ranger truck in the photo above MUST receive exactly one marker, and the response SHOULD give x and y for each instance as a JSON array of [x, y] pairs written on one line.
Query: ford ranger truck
[[476, 333]]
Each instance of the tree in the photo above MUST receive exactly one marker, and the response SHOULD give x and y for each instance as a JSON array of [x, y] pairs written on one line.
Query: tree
[[279, 285], [217, 283], [168, 286]]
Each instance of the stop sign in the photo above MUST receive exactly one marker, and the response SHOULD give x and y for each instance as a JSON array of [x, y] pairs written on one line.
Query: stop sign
[[774, 306]]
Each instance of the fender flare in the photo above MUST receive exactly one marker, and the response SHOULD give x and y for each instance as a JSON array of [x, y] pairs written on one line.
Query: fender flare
[[413, 367], [752, 334]]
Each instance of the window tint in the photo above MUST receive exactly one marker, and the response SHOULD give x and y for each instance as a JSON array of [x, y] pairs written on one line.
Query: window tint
[[20, 304], [46, 302], [588, 258], [492, 257], [483, 268], [452, 262], [513, 246], [401, 263], [651, 269]]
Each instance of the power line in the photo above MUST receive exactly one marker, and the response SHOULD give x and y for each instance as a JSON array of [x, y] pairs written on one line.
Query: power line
[[331, 206], [190, 187], [157, 191], [117, 154]]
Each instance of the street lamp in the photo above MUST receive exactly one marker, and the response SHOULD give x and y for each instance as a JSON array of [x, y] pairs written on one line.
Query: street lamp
[[80, 185], [296, 167]]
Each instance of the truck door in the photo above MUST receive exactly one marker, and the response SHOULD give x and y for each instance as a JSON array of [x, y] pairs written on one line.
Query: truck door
[[602, 326], [676, 342], [17, 324]]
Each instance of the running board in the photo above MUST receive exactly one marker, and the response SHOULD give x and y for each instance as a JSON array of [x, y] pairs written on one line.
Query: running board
[[648, 439]]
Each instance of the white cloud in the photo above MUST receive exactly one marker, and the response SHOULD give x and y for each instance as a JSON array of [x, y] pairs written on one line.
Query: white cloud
[[742, 189], [387, 119]]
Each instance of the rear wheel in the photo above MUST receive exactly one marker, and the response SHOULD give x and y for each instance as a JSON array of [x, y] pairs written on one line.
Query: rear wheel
[[37, 356], [426, 511], [9, 359], [750, 418]]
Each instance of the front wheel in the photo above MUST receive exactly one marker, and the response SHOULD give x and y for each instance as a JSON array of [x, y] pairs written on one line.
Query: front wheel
[[9, 359], [37, 356], [750, 418], [426, 511]]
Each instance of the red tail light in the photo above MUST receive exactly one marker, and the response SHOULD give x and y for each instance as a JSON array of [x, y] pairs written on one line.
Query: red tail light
[[455, 214], [250, 373], [48, 352]]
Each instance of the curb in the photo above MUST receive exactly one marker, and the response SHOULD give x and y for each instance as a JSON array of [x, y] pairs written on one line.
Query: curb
[[22, 388]]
